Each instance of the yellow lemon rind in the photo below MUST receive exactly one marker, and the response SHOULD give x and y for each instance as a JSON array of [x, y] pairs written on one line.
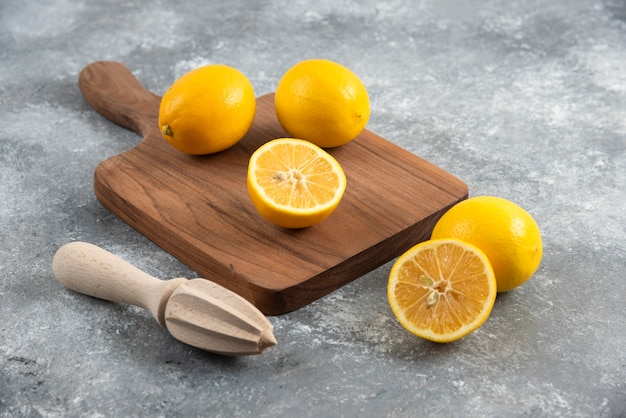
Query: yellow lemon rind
[[504, 231], [197, 114], [323, 102]]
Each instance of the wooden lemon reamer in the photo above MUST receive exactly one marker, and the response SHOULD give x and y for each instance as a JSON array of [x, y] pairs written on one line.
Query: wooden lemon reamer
[[197, 312]]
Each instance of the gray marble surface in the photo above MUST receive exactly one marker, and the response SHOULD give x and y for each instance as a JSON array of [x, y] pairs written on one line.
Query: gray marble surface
[[524, 100]]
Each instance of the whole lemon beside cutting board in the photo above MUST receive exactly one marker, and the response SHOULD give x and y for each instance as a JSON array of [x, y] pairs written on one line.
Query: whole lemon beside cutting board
[[207, 110], [507, 234]]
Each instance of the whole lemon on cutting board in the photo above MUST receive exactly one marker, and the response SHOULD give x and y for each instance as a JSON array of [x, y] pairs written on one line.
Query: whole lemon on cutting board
[[323, 102], [207, 110], [505, 232]]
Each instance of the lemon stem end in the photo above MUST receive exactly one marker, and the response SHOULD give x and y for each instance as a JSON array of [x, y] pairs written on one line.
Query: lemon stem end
[[166, 130]]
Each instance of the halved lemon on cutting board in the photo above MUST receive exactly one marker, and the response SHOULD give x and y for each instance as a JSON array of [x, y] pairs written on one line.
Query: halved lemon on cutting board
[[442, 290], [294, 183]]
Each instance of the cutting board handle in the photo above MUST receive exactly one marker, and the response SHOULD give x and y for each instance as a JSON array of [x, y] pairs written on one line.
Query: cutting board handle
[[111, 89]]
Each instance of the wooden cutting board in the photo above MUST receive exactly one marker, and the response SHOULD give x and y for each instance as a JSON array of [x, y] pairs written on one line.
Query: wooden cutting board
[[198, 208]]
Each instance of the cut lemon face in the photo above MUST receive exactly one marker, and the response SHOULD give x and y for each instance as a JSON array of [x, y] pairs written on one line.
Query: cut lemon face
[[294, 183], [442, 290]]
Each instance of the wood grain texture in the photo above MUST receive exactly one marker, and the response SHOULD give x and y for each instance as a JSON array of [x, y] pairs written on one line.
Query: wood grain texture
[[198, 209]]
